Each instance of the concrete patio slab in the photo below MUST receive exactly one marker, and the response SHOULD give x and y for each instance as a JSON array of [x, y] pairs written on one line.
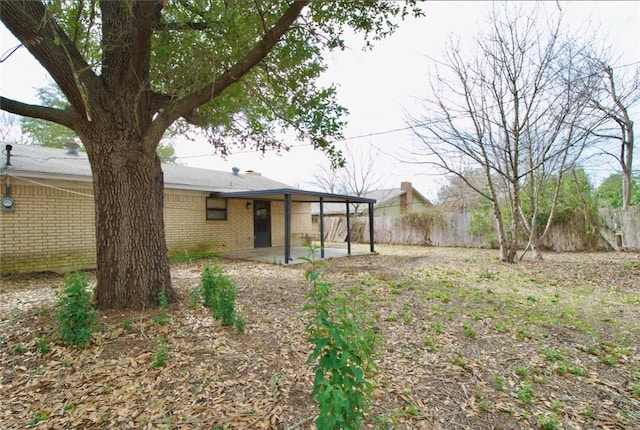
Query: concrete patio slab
[[275, 255]]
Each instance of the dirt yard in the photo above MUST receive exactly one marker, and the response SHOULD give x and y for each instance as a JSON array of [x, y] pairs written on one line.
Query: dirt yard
[[466, 342]]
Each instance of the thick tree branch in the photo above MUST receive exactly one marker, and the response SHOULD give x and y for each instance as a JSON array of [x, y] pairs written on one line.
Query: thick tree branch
[[179, 26], [64, 117]]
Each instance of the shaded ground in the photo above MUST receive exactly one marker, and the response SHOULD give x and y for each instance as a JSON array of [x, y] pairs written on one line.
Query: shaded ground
[[466, 342]]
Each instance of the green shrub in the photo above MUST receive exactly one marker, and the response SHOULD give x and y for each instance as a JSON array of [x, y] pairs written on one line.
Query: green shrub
[[226, 302], [342, 355], [208, 282], [219, 294], [76, 312]]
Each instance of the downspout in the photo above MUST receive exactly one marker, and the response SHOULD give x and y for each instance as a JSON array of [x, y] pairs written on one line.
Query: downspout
[[371, 246], [348, 231], [321, 227], [287, 228]]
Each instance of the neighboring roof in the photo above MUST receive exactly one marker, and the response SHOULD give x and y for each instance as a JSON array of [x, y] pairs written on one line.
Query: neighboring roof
[[52, 163], [382, 198]]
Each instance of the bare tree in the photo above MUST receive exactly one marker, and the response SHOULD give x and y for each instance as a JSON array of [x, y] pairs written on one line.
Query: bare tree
[[456, 195], [10, 129], [510, 109], [613, 95], [327, 179], [357, 176]]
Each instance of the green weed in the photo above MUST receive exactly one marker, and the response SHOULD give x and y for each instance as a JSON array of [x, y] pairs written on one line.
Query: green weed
[[43, 345], [469, 331], [240, 323], [458, 360], [609, 360], [588, 413], [161, 355], [38, 418], [406, 317], [437, 327], [194, 297], [218, 294], [76, 312], [342, 353], [562, 368], [429, 343], [485, 405], [551, 354], [502, 327], [488, 275], [499, 381], [411, 410], [523, 333], [577, 370], [525, 393], [163, 304], [548, 423]]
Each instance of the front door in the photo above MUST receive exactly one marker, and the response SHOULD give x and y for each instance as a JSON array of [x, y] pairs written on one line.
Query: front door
[[261, 224]]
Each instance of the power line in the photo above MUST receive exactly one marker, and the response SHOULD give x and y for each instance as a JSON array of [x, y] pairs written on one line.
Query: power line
[[303, 145]]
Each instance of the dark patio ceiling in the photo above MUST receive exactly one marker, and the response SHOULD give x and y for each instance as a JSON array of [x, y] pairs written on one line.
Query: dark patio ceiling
[[296, 196]]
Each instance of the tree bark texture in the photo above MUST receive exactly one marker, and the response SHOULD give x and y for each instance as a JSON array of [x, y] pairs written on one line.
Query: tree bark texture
[[131, 248]]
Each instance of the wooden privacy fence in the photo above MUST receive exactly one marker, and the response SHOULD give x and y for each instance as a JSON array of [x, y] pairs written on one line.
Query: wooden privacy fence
[[619, 230], [449, 231]]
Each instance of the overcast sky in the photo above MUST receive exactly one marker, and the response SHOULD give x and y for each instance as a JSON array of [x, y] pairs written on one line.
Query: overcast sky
[[377, 87]]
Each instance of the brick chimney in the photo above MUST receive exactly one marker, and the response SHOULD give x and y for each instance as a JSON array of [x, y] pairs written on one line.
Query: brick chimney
[[406, 198]]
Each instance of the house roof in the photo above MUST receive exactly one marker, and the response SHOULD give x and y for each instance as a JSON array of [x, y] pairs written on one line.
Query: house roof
[[38, 162], [383, 198], [33, 161]]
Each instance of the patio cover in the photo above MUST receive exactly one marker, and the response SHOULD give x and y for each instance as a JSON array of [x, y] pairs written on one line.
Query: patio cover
[[289, 195]]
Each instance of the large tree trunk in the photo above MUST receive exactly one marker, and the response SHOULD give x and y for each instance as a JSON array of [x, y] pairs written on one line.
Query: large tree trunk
[[132, 255]]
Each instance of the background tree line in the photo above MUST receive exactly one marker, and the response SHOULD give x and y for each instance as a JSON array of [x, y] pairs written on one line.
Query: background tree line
[[512, 117]]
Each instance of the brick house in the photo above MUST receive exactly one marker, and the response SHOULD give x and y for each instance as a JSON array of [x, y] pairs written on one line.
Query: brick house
[[47, 218]]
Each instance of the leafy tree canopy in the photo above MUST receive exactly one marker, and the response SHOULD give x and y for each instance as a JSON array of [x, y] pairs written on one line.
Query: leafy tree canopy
[[53, 135], [575, 189], [609, 193], [195, 43], [47, 133]]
